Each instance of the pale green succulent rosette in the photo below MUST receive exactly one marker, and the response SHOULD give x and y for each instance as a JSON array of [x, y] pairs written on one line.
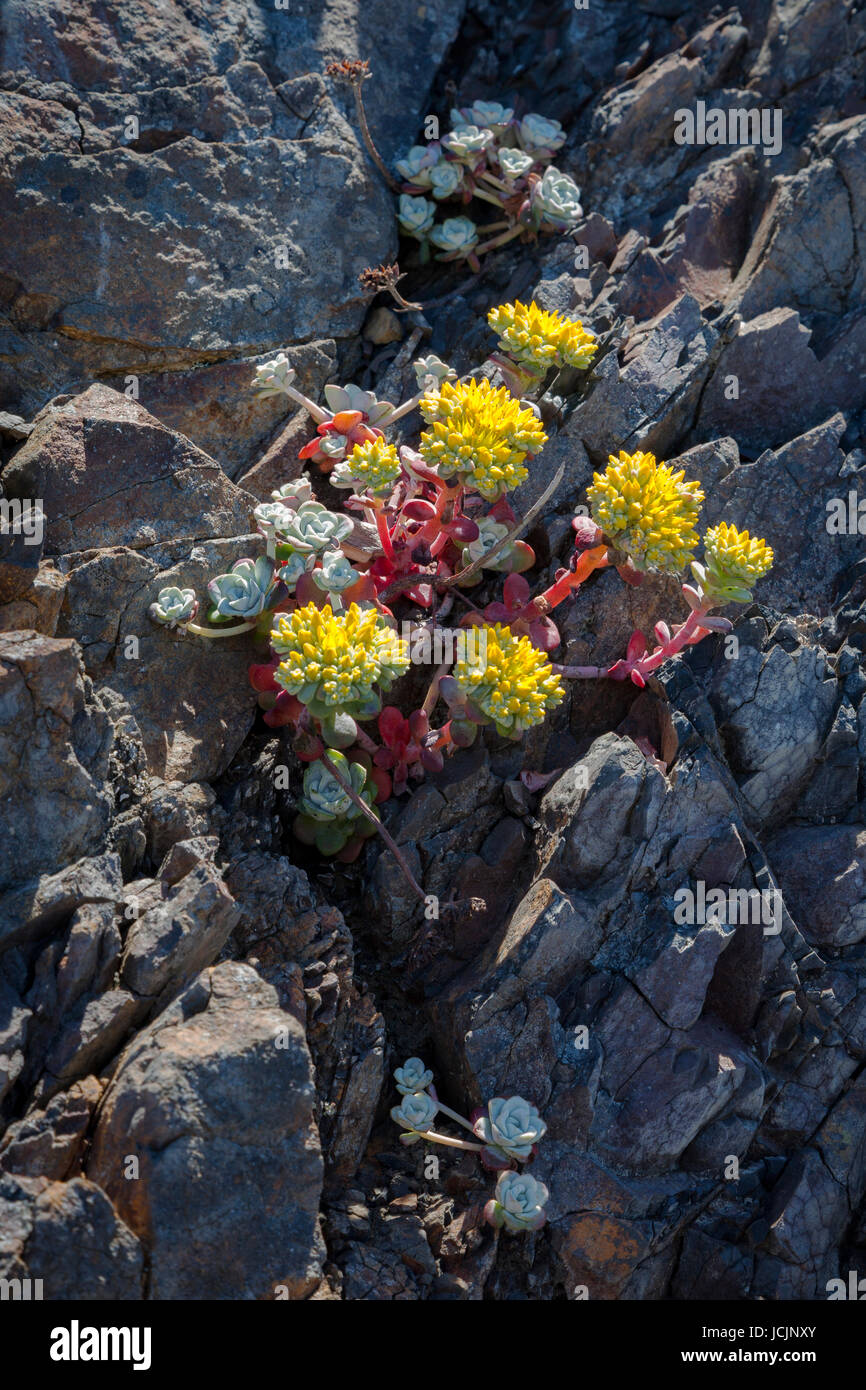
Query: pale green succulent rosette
[[174, 606], [336, 574], [456, 237], [311, 528], [244, 592], [446, 178], [327, 815], [416, 1114], [352, 397], [294, 493], [515, 164], [518, 1204], [412, 1077], [489, 115], [416, 216], [416, 165], [425, 367], [540, 136], [468, 142], [509, 1129], [272, 378], [556, 201]]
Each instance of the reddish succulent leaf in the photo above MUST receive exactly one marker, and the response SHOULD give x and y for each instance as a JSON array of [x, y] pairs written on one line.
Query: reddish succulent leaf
[[261, 675], [464, 530], [382, 782], [419, 723], [515, 591], [393, 728], [636, 646], [418, 510]]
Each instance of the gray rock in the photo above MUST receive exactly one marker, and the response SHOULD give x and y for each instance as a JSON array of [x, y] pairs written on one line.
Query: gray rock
[[821, 869], [68, 1235], [651, 402], [49, 1143], [215, 1101], [775, 710], [170, 943], [248, 169], [109, 474], [54, 746], [34, 909]]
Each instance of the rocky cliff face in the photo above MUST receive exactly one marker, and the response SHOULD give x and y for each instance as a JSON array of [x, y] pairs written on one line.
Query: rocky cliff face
[[183, 193]]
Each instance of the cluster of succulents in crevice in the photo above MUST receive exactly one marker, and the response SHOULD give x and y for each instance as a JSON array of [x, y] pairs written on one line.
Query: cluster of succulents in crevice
[[509, 1129], [339, 619], [490, 156]]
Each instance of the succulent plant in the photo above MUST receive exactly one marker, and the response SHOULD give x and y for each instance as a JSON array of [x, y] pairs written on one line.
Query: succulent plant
[[324, 799], [733, 562], [518, 1204], [272, 378], [311, 528], [415, 166], [352, 397], [272, 517], [290, 569], [455, 237], [509, 1129], [416, 215], [412, 1077], [510, 680], [646, 510], [540, 337], [372, 468], [335, 574], [540, 136], [245, 591], [515, 164], [490, 533], [294, 493], [416, 1113], [556, 201], [445, 179], [327, 815], [333, 661], [467, 142], [491, 115], [431, 366], [174, 606], [481, 434]]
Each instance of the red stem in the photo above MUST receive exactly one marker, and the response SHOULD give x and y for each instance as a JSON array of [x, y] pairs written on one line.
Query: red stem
[[384, 535], [686, 635], [590, 560]]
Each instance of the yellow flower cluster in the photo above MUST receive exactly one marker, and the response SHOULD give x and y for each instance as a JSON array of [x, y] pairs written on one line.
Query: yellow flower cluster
[[371, 467], [733, 562], [481, 434], [647, 510], [541, 338], [736, 553], [333, 660], [511, 680]]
